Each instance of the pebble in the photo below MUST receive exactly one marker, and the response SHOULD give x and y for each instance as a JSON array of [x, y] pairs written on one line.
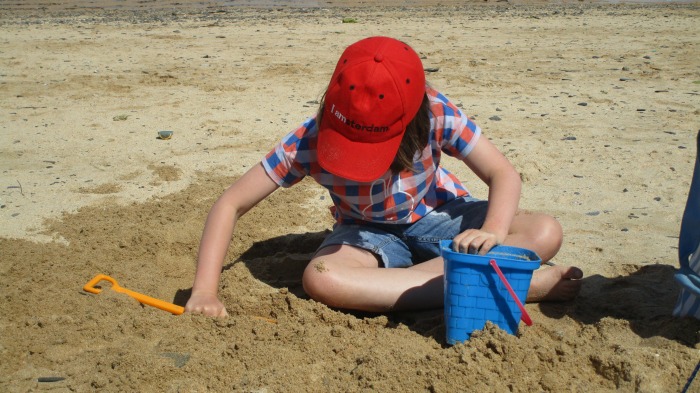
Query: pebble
[[50, 379], [495, 118]]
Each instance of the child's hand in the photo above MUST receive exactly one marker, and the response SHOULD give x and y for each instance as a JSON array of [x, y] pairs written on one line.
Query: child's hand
[[206, 304], [475, 241]]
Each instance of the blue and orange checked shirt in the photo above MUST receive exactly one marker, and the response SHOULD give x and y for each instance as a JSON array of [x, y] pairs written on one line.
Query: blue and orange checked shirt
[[401, 198]]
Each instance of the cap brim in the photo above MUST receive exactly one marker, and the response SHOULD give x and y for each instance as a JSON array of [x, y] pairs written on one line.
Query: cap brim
[[357, 161]]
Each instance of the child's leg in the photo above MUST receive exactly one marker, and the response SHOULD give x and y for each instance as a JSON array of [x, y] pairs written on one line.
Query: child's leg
[[348, 277], [549, 284], [538, 232], [543, 234]]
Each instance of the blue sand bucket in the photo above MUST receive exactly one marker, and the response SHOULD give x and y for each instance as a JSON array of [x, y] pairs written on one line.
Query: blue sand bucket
[[474, 294]]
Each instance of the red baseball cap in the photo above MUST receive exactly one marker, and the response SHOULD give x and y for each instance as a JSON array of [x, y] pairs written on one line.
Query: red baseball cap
[[376, 89]]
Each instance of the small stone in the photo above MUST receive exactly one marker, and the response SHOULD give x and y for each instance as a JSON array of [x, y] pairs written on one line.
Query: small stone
[[50, 379], [495, 118]]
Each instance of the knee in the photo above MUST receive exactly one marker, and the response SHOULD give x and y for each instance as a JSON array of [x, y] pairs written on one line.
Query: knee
[[320, 283], [550, 236], [552, 230]]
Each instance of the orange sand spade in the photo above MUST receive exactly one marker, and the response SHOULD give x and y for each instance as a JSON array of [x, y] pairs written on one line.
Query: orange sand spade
[[172, 308]]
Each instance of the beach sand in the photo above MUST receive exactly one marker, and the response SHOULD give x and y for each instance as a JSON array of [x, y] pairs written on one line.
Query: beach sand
[[595, 105]]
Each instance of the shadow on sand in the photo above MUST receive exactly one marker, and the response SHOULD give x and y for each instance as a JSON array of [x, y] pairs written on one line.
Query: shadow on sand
[[644, 298]]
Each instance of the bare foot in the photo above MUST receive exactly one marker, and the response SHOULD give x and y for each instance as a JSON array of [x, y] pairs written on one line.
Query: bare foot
[[555, 284]]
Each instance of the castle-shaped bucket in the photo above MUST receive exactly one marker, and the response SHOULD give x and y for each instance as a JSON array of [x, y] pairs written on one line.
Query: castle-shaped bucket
[[474, 294]]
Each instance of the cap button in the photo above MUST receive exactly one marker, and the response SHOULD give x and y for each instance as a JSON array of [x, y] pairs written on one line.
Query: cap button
[[378, 57]]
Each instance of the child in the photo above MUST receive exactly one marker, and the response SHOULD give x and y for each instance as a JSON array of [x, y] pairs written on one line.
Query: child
[[376, 145]]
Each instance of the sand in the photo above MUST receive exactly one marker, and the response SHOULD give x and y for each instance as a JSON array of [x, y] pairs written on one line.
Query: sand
[[596, 106]]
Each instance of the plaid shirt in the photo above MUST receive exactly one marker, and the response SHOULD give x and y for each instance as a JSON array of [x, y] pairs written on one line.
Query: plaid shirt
[[400, 198]]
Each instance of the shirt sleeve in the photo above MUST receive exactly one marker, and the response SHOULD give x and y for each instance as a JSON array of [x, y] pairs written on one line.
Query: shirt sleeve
[[289, 161], [457, 133]]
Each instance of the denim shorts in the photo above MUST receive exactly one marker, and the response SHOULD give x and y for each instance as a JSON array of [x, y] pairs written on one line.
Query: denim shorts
[[403, 245]]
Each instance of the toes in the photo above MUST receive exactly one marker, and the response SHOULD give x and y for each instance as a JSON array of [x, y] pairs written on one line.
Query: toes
[[556, 283], [572, 273]]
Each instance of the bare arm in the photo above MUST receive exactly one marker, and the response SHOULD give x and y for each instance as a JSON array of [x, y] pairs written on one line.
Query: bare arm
[[254, 186], [494, 169]]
